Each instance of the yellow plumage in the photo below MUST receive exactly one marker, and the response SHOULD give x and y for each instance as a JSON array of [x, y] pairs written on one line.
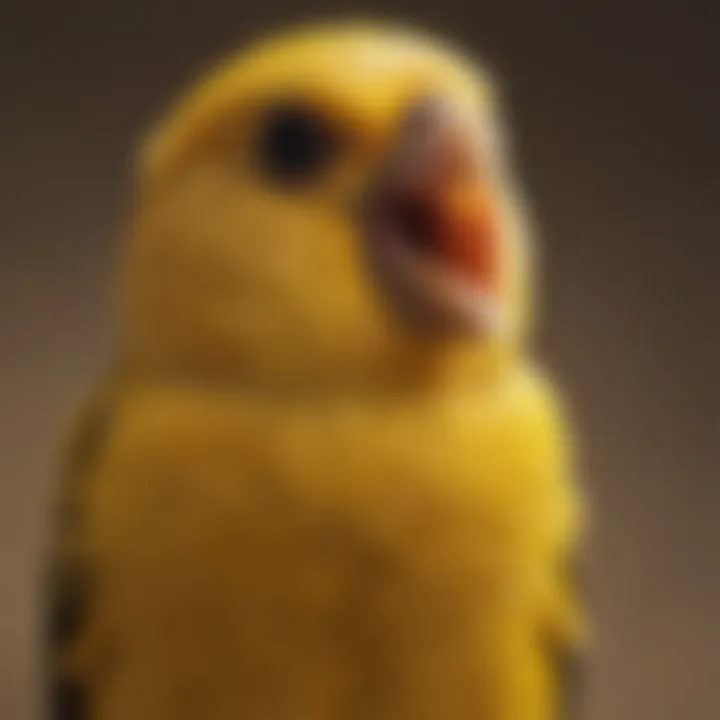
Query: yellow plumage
[[297, 507]]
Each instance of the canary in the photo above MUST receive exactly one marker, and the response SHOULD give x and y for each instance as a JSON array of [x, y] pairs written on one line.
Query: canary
[[325, 479]]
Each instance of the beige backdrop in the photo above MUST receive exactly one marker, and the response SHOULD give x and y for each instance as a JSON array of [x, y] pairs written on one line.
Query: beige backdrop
[[613, 106]]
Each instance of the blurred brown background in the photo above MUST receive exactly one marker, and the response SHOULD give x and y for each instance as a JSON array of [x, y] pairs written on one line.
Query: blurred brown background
[[614, 108]]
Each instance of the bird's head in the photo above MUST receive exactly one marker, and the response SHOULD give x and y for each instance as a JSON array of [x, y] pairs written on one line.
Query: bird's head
[[334, 203]]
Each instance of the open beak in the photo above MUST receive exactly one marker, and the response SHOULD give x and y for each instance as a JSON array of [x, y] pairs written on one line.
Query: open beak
[[433, 225]]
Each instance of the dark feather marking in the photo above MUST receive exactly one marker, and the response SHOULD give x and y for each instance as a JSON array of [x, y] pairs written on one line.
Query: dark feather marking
[[569, 661], [71, 593], [69, 700], [571, 673], [69, 583]]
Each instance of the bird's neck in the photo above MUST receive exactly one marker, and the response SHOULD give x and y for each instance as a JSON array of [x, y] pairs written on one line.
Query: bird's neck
[[425, 371]]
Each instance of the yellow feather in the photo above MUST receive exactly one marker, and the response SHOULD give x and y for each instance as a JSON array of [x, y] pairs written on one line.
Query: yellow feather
[[303, 510]]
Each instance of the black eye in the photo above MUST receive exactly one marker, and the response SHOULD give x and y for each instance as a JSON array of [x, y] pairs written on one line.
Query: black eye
[[295, 144]]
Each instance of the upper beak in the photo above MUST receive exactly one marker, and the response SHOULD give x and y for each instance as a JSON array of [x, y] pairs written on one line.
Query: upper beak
[[437, 183], [435, 206]]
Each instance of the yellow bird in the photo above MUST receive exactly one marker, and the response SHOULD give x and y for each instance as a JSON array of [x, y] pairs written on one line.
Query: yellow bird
[[325, 481]]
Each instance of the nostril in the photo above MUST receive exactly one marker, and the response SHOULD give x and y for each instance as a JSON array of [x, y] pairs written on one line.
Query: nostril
[[425, 114]]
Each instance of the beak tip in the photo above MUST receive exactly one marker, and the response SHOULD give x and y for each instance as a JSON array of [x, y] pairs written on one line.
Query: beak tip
[[469, 235]]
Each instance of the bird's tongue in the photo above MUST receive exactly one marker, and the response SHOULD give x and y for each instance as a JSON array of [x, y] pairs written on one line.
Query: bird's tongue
[[468, 234]]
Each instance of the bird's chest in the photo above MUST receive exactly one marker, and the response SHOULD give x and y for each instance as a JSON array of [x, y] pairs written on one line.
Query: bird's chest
[[392, 471], [309, 544]]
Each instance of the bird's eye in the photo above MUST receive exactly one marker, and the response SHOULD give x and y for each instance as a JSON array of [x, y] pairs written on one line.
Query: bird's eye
[[295, 145]]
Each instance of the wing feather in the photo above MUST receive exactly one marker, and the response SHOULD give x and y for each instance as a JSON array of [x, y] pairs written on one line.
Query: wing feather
[[69, 580]]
